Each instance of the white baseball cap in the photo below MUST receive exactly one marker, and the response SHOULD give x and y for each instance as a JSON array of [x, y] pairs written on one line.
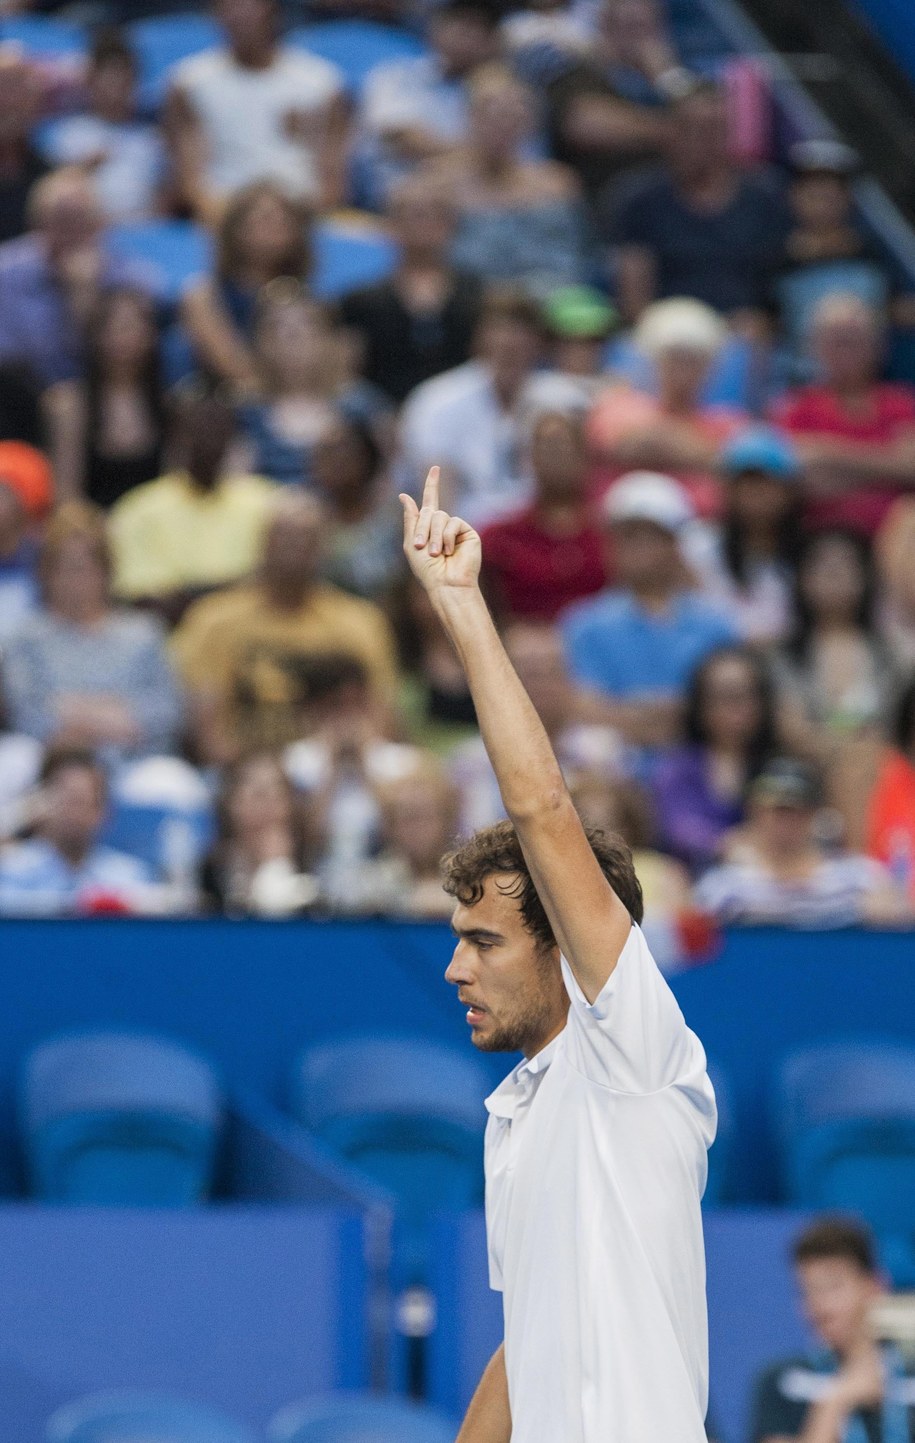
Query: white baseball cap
[[649, 496]]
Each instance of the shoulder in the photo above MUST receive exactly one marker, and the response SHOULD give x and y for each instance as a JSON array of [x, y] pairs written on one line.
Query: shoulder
[[223, 609], [135, 630], [143, 502], [346, 608], [897, 398], [119, 866], [603, 612], [549, 180], [21, 256], [199, 69], [448, 389], [311, 70], [706, 615], [20, 861]]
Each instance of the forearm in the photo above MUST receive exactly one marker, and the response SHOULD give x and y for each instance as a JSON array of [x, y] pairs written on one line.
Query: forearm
[[488, 1418], [519, 749]]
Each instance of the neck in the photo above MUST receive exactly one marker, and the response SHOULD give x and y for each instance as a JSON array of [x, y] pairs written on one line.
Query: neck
[[73, 850], [506, 388], [287, 594], [256, 55], [353, 505], [496, 167], [561, 513], [81, 613], [678, 403], [654, 596], [852, 390], [531, 1049], [761, 539], [204, 478]]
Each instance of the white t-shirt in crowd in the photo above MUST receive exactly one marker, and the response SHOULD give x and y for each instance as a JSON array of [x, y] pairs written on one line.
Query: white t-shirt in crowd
[[244, 115], [595, 1168], [131, 161]]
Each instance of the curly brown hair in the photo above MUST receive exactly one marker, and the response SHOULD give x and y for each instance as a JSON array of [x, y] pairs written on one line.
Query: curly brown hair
[[496, 850]]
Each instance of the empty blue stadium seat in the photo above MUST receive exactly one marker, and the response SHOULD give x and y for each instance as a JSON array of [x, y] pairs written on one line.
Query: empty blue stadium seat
[[43, 37], [408, 1112], [846, 1121], [156, 1418], [349, 252], [162, 812], [346, 1418], [162, 41], [356, 46], [174, 250], [119, 1118]]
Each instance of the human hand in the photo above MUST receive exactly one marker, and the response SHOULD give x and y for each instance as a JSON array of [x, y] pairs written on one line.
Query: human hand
[[443, 551], [861, 1382]]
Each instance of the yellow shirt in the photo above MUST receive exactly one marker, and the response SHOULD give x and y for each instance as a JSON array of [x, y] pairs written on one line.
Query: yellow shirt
[[168, 536], [253, 659]]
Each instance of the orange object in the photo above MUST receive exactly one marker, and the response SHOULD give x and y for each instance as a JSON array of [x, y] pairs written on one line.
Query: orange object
[[28, 473], [891, 819]]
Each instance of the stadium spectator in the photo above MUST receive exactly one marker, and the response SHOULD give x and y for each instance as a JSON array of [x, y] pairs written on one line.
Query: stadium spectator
[[541, 559], [781, 875], [435, 696], [619, 805], [197, 527], [301, 365], [244, 651], [895, 556], [262, 844], [834, 671], [20, 403], [855, 433], [891, 807], [730, 729], [21, 165], [417, 823], [51, 278], [106, 431], [420, 320], [850, 1385], [536, 654], [80, 671], [698, 225], [827, 252], [18, 560], [635, 647], [124, 155], [28, 471], [672, 430], [413, 110], [748, 566], [63, 869], [256, 110], [519, 220], [605, 111], [468, 419], [579, 322], [364, 524], [262, 237]]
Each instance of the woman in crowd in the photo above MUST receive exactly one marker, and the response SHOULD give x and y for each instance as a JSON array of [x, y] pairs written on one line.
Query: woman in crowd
[[80, 671], [259, 861], [730, 732], [891, 808], [362, 546], [671, 430], [418, 815], [748, 565], [263, 236], [518, 219], [106, 436]]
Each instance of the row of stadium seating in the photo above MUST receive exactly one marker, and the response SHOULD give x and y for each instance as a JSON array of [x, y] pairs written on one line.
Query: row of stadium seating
[[120, 1118]]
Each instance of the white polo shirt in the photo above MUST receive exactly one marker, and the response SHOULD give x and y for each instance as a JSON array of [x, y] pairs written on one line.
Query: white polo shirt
[[595, 1167]]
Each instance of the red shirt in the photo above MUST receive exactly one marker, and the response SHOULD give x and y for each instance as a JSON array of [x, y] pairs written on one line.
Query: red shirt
[[815, 411], [533, 573]]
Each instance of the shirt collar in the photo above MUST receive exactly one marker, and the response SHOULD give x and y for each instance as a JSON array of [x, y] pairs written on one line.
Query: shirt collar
[[519, 1083]]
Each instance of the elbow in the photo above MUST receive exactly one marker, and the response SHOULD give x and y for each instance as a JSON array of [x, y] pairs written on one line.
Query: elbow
[[539, 806]]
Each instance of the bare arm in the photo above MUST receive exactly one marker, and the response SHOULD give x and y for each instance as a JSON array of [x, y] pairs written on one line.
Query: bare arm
[[488, 1418], [595, 122], [862, 463], [636, 281], [217, 342], [187, 149], [64, 407], [589, 921]]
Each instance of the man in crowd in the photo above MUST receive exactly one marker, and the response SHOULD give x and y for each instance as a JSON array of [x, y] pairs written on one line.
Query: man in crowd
[[256, 110], [850, 1388], [697, 225], [63, 868], [245, 651], [540, 560], [635, 647], [469, 417], [20, 163], [51, 278], [420, 320]]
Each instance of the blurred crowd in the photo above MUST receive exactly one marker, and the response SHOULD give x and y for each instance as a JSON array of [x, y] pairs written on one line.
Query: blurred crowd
[[651, 354]]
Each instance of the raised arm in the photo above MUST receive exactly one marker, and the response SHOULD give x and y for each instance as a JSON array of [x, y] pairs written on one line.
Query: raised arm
[[589, 921]]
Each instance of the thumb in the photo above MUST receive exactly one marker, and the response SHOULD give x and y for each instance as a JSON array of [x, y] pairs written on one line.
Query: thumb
[[410, 515]]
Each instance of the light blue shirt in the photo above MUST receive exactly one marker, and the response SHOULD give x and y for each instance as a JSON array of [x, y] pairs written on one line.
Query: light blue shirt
[[614, 645], [36, 881]]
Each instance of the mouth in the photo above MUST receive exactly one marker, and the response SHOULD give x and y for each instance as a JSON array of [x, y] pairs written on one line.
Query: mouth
[[474, 1013]]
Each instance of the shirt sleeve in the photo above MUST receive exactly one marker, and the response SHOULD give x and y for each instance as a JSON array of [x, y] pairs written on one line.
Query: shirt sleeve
[[633, 1037]]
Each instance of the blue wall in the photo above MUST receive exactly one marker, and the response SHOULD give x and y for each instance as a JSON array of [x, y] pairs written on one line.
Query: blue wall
[[894, 23], [251, 994]]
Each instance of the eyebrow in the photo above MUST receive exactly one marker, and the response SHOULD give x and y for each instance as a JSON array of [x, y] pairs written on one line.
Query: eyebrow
[[476, 934]]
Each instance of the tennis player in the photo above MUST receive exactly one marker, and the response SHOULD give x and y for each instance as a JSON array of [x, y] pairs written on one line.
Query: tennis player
[[596, 1142]]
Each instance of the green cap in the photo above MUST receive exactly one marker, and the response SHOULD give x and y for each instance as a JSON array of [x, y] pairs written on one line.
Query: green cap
[[579, 313]]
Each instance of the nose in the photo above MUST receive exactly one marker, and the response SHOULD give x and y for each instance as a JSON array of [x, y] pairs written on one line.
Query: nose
[[457, 972]]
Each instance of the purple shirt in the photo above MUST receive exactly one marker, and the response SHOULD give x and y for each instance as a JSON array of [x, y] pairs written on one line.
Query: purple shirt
[[37, 327], [691, 816]]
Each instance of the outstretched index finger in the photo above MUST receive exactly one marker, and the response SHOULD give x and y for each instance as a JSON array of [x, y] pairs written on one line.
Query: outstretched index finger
[[431, 489]]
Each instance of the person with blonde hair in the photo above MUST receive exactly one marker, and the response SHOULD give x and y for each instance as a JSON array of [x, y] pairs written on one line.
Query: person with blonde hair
[[79, 670], [671, 428]]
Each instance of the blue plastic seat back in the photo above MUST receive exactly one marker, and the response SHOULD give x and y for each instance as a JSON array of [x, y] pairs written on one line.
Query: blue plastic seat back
[[119, 1118], [156, 834], [349, 252], [356, 1419], [164, 40], [129, 1417], [858, 1166], [43, 37], [356, 46], [839, 1081], [175, 252]]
